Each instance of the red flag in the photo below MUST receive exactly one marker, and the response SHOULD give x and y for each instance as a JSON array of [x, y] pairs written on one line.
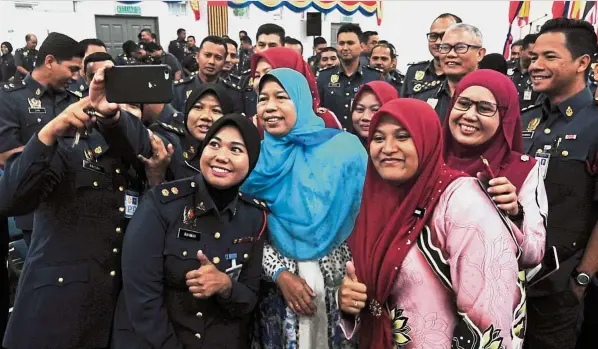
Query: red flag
[[195, 8], [558, 8], [514, 8]]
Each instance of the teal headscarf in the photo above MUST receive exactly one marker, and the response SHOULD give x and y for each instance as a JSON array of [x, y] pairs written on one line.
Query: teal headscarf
[[311, 178]]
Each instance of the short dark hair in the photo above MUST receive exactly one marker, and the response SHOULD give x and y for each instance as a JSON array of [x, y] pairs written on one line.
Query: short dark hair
[[269, 29], [350, 28], [365, 36], [179, 31], [449, 15], [246, 40], [243, 31], [528, 40], [191, 36], [147, 30], [517, 43], [62, 47], [318, 40], [153, 47], [216, 40], [232, 42], [580, 37], [389, 46], [293, 41], [129, 47], [329, 49], [85, 43], [96, 57], [28, 37]]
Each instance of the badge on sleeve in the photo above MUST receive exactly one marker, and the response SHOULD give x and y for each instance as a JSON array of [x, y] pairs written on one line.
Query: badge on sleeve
[[131, 202]]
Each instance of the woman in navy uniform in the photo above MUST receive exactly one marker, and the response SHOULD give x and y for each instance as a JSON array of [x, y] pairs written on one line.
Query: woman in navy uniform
[[192, 254]]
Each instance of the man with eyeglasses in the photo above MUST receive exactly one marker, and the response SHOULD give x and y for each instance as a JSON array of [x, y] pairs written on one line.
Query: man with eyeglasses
[[423, 72], [460, 52]]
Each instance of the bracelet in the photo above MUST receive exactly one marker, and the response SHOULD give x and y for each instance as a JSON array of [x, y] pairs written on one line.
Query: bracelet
[[518, 216]]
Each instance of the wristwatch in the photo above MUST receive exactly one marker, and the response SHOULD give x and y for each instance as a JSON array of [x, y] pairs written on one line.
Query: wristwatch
[[581, 278]]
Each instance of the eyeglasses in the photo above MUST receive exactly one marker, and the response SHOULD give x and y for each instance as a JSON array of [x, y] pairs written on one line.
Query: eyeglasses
[[459, 48], [432, 37], [483, 108]]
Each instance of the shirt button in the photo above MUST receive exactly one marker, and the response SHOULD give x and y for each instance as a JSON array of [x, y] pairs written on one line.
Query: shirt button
[[117, 229], [121, 209], [547, 131], [60, 280], [199, 314], [574, 244], [216, 260], [539, 151], [217, 235], [115, 250], [346, 94], [565, 153], [346, 117], [117, 170], [95, 183], [344, 129], [346, 106], [113, 273], [121, 188], [184, 253], [246, 256], [198, 336]]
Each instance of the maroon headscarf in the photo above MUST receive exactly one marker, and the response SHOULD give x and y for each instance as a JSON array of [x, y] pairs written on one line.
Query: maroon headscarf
[[504, 150], [383, 91], [387, 226]]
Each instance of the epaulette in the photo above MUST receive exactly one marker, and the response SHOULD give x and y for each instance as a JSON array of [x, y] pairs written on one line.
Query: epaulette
[[77, 94], [230, 84], [327, 68], [14, 86], [246, 72], [418, 63], [253, 201], [186, 80], [171, 128], [426, 85], [171, 191], [375, 68], [528, 108]]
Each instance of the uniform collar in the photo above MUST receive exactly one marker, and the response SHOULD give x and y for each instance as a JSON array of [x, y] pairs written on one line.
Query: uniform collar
[[572, 106], [204, 202], [341, 71], [36, 88]]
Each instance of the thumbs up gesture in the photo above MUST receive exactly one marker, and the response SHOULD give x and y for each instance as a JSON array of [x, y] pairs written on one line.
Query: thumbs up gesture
[[208, 280], [352, 294]]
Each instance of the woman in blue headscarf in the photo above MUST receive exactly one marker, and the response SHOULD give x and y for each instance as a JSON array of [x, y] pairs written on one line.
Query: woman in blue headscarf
[[311, 178]]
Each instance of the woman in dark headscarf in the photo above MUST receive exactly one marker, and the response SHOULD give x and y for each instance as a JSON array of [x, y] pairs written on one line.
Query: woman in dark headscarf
[[368, 100], [435, 266], [484, 127], [192, 253], [7, 63]]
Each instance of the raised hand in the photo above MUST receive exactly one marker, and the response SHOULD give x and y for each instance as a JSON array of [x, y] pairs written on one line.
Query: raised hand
[[208, 281], [352, 295]]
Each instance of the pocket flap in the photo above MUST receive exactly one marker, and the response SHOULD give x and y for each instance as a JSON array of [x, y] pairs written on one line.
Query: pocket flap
[[60, 275]]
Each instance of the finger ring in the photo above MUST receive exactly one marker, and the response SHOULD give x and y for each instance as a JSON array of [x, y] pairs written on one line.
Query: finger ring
[[354, 304], [297, 305]]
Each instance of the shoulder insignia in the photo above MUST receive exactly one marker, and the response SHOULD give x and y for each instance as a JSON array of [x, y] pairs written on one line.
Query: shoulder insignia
[[526, 109], [171, 128], [171, 191], [184, 80], [425, 85], [230, 84], [13, 86], [253, 201], [77, 94], [246, 72], [418, 63], [375, 68], [327, 68]]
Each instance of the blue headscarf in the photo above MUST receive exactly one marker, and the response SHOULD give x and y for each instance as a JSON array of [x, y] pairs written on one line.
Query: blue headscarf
[[311, 178]]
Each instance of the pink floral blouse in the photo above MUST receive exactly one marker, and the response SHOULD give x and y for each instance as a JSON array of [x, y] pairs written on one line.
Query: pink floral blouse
[[461, 283]]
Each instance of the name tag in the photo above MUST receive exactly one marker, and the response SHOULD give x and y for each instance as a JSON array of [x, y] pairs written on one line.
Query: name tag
[[528, 134], [131, 202], [334, 85], [88, 165], [527, 95], [187, 234], [543, 159], [37, 110]]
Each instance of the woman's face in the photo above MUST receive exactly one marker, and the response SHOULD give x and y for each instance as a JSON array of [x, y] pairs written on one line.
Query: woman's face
[[203, 114], [276, 110], [365, 108], [393, 151], [262, 68], [473, 125], [3, 49], [225, 161]]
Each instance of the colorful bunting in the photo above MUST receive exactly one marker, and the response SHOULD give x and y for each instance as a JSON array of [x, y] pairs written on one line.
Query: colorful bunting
[[524, 14], [514, 8]]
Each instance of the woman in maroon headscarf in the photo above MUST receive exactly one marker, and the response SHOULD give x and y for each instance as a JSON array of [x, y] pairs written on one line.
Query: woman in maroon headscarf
[[368, 100], [283, 57], [484, 126], [434, 264]]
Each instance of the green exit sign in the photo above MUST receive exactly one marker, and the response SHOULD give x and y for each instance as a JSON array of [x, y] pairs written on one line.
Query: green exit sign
[[128, 10]]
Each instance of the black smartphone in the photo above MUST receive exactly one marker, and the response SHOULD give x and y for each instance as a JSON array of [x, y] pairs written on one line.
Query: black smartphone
[[550, 264], [139, 84]]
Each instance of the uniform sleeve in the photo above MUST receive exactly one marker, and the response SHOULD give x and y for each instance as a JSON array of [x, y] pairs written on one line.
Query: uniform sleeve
[[9, 124], [243, 297], [532, 233], [174, 64], [19, 58], [481, 254], [29, 177], [128, 136], [177, 103], [143, 274], [238, 106], [321, 90]]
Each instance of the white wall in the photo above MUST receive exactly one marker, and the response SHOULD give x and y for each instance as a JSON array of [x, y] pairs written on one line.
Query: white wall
[[404, 23]]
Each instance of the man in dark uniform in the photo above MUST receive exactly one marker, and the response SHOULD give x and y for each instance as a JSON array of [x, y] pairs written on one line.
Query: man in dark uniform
[[179, 47], [128, 55], [429, 73], [191, 44], [26, 106], [319, 45], [160, 57], [327, 58], [383, 55], [561, 133], [245, 54], [461, 51], [4, 282], [25, 57], [516, 48], [228, 73], [79, 86], [520, 74], [268, 36], [367, 40], [337, 86]]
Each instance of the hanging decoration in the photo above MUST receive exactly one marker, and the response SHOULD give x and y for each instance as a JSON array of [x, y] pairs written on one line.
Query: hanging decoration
[[514, 8], [347, 8]]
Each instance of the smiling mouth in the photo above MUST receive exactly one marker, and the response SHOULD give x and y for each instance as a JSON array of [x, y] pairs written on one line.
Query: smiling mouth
[[220, 169], [452, 64], [270, 120], [468, 129], [203, 128], [538, 78], [391, 161]]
